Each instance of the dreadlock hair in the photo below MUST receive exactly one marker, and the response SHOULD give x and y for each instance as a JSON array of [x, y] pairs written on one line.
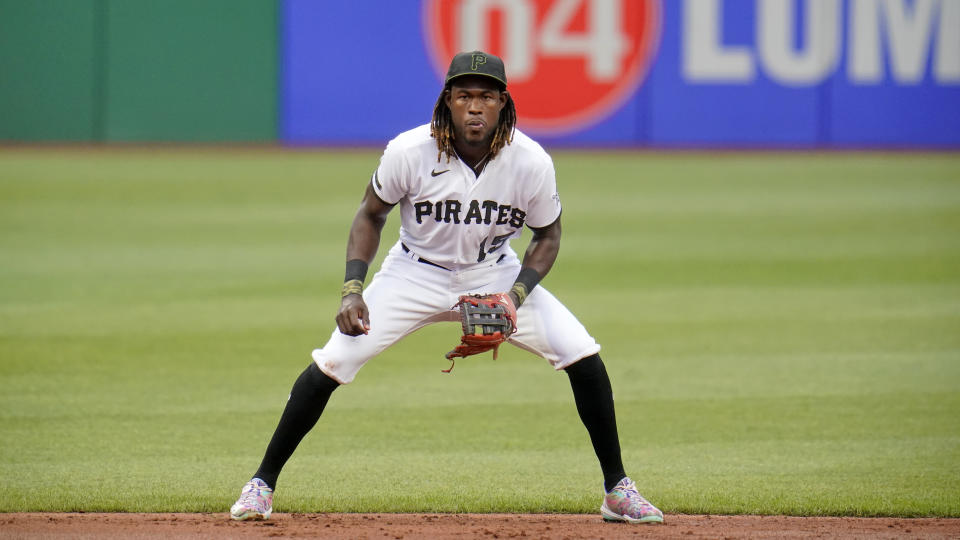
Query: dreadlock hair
[[441, 126]]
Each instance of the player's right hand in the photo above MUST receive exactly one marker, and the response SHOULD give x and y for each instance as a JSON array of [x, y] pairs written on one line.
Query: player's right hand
[[353, 318]]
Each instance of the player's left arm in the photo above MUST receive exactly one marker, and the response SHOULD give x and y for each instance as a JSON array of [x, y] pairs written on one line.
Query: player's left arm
[[537, 260]]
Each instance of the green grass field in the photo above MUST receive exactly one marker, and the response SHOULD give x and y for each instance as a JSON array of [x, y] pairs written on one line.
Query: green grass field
[[782, 331]]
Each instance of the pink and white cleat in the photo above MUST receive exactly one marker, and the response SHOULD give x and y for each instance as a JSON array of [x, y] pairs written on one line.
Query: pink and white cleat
[[255, 502], [624, 503]]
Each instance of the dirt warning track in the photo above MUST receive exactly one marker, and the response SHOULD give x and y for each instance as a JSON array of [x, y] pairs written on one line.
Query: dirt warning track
[[461, 526]]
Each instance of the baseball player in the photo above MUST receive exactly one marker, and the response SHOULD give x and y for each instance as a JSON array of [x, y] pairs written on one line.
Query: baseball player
[[466, 184]]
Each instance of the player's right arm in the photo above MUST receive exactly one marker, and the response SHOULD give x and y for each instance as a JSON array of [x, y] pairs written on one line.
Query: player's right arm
[[353, 318]]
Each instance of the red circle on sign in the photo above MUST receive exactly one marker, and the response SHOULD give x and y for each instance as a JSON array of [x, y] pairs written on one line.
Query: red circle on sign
[[569, 62]]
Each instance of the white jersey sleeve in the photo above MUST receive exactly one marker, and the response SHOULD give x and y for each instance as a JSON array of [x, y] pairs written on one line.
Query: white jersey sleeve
[[392, 177], [544, 206]]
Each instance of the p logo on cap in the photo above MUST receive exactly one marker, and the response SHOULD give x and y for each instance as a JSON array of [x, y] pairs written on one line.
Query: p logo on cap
[[477, 63], [477, 60]]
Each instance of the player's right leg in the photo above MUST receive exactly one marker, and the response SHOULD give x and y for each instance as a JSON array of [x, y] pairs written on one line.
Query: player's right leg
[[402, 297], [308, 397]]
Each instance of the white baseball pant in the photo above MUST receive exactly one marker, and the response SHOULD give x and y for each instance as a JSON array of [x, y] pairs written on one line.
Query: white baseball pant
[[406, 295]]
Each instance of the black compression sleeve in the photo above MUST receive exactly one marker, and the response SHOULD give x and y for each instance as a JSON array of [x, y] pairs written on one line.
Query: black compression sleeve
[[594, 397], [307, 400]]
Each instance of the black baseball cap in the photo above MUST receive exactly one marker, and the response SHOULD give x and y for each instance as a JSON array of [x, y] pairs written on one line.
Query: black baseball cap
[[477, 63]]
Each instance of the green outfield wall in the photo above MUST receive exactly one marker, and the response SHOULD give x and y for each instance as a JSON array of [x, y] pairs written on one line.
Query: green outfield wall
[[47, 81], [138, 70]]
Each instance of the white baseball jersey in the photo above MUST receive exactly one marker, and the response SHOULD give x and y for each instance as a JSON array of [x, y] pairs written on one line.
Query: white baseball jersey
[[453, 217], [454, 239]]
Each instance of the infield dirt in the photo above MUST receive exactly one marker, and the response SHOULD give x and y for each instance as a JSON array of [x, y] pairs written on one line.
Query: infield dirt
[[459, 526]]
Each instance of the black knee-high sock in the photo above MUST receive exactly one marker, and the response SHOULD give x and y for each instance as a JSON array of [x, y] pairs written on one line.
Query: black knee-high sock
[[307, 399], [594, 397]]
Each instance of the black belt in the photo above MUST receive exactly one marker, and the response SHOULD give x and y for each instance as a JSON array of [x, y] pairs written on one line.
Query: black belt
[[421, 259], [424, 261]]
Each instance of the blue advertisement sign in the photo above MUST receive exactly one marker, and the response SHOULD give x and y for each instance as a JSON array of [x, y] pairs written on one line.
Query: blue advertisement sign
[[738, 73]]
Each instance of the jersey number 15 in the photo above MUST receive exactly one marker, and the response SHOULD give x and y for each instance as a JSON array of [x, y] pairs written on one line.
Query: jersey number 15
[[497, 243]]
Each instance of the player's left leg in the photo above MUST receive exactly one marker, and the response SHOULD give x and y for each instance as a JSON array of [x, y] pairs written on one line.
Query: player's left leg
[[594, 398], [547, 328]]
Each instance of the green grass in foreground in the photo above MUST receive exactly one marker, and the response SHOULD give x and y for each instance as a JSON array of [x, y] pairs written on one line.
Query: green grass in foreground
[[782, 331]]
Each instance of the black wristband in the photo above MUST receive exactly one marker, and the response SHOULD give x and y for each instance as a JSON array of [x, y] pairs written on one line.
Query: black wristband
[[526, 280], [529, 277], [356, 269]]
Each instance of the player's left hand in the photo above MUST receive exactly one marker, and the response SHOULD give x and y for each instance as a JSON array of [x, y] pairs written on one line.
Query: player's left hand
[[487, 320]]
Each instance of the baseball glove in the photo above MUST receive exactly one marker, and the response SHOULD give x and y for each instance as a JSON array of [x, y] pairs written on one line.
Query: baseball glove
[[488, 320]]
